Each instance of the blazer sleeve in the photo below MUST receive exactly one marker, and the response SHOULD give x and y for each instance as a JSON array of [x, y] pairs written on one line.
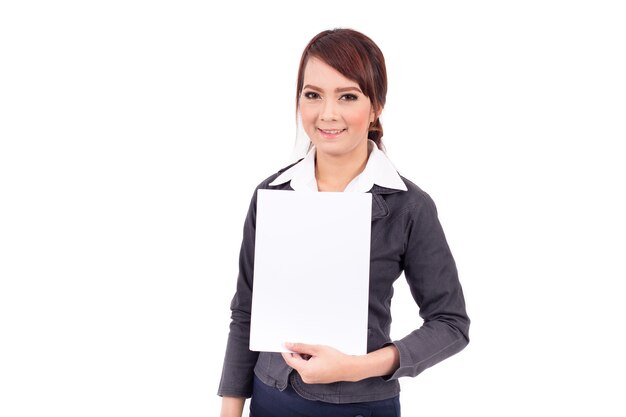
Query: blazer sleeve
[[431, 273], [239, 360]]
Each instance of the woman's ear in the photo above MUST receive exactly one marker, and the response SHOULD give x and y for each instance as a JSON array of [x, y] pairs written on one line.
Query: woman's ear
[[375, 114]]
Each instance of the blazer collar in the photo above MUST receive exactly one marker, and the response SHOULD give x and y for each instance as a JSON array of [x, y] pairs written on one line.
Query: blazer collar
[[378, 172]]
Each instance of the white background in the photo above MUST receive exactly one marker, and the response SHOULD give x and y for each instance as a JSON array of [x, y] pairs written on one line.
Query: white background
[[133, 133]]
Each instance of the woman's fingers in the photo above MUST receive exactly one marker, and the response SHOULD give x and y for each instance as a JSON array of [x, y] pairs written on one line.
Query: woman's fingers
[[303, 348]]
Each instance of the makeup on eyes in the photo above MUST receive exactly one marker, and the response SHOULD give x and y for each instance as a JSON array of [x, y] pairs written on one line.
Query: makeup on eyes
[[312, 95]]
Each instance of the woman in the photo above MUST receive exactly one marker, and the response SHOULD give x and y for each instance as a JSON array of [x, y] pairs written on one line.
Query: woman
[[341, 90]]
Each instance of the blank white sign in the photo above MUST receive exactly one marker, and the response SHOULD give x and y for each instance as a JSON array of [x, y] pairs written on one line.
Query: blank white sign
[[311, 270]]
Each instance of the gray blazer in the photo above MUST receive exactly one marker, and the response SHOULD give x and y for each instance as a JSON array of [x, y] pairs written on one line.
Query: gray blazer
[[406, 237]]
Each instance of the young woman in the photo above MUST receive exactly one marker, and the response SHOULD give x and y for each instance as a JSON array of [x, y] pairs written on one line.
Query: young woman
[[341, 89]]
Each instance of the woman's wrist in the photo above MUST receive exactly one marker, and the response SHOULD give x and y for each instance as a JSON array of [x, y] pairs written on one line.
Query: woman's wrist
[[381, 362], [232, 406]]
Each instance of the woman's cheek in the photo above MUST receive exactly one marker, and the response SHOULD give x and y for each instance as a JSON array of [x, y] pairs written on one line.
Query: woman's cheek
[[358, 120]]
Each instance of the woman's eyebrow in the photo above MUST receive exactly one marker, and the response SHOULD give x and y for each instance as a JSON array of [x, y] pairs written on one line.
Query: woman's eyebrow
[[337, 90], [341, 90]]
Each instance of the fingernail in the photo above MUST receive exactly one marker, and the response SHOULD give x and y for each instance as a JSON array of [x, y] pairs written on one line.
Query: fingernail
[[288, 345]]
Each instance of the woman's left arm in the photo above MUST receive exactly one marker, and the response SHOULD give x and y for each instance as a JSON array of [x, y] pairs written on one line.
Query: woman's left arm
[[431, 273], [324, 364]]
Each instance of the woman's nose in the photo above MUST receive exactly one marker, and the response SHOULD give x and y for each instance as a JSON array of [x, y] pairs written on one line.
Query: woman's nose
[[329, 111]]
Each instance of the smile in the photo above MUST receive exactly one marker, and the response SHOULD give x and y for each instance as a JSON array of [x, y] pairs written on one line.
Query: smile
[[330, 132]]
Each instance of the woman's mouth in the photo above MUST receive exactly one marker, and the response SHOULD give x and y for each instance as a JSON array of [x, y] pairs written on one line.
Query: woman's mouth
[[330, 133]]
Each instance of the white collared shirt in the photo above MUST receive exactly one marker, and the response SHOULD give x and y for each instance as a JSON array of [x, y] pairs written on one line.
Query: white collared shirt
[[379, 170]]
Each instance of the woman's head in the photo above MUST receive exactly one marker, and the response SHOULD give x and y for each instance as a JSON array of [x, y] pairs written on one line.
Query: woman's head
[[357, 58]]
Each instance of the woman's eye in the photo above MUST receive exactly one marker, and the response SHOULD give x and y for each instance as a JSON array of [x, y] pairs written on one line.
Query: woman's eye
[[311, 95], [349, 97]]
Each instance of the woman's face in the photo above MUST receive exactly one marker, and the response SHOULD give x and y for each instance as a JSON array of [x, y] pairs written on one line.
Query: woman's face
[[336, 115]]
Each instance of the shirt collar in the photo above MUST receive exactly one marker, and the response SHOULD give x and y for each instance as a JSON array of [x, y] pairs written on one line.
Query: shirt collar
[[379, 170]]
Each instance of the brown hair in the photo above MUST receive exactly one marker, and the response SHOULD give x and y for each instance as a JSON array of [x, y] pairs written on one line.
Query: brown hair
[[357, 58]]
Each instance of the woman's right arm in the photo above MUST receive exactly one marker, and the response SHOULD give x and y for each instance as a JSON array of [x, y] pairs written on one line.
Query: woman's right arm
[[239, 361], [232, 406]]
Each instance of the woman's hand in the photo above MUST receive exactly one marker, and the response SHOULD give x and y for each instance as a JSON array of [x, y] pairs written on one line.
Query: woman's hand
[[318, 364]]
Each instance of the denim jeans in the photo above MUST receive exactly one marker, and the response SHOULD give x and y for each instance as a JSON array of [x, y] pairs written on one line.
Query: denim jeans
[[271, 402]]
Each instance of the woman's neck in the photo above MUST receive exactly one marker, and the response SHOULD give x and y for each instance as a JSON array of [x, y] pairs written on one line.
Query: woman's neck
[[334, 173]]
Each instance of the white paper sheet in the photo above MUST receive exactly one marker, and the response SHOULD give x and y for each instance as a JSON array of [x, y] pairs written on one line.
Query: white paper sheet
[[311, 270]]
